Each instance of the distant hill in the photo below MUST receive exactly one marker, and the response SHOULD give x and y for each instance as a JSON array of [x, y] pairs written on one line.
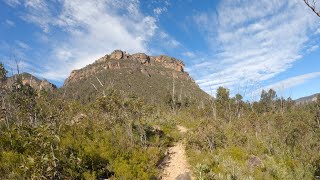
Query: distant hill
[[153, 78], [307, 99], [33, 81]]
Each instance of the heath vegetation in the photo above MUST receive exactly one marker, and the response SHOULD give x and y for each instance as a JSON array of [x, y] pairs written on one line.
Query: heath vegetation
[[118, 135]]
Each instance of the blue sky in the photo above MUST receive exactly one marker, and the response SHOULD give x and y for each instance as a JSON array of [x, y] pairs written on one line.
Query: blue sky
[[244, 45]]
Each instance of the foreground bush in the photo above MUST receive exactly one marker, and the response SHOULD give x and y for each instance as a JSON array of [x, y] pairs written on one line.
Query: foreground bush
[[54, 139]]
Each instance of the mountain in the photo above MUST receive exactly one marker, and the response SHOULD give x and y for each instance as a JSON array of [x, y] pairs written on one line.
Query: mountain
[[153, 78], [33, 81], [307, 99]]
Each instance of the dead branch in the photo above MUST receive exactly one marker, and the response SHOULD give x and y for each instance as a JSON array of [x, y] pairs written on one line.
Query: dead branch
[[312, 6]]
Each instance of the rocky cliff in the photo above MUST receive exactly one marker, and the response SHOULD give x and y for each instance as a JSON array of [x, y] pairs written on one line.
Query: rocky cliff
[[121, 60], [150, 77], [33, 81]]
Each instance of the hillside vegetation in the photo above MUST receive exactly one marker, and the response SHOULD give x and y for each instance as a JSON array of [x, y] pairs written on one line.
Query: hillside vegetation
[[116, 134], [148, 77]]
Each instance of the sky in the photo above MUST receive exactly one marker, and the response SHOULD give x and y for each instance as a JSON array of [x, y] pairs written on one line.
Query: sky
[[243, 45]]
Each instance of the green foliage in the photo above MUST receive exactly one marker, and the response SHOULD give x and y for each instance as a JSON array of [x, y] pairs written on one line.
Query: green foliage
[[3, 73], [46, 137], [112, 134], [23, 97], [273, 140], [222, 96], [267, 100]]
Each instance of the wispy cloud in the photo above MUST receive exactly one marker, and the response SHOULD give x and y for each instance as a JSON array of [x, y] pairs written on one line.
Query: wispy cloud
[[12, 3], [90, 29], [207, 24], [163, 42], [255, 40], [39, 13], [78, 32], [11, 52], [292, 82], [10, 23], [22, 45], [188, 54], [159, 10], [168, 40], [312, 48]]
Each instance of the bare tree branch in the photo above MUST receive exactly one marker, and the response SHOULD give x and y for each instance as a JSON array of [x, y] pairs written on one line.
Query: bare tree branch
[[312, 6]]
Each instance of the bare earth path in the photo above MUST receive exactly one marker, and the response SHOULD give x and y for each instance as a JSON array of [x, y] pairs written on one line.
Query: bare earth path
[[177, 166]]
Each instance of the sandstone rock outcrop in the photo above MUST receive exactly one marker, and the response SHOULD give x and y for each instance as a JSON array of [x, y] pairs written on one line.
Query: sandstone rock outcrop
[[34, 82], [139, 74], [164, 65], [46, 85], [162, 60], [170, 62], [117, 54], [141, 57]]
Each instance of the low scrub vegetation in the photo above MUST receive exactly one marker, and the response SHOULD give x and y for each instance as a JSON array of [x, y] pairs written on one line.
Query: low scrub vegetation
[[44, 137], [269, 139], [119, 136]]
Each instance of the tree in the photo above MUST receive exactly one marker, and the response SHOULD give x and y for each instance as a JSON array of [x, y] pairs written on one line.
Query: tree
[[312, 4], [3, 77], [267, 99], [272, 94], [239, 102], [23, 100], [264, 102], [238, 97], [223, 102], [3, 73], [222, 96]]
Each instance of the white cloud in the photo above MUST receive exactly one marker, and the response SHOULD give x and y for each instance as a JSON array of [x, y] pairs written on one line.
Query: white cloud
[[63, 54], [206, 23], [38, 12], [91, 29], [173, 43], [12, 3], [12, 52], [10, 23], [167, 40], [312, 48], [292, 82], [256, 40], [159, 10], [23, 45], [188, 54]]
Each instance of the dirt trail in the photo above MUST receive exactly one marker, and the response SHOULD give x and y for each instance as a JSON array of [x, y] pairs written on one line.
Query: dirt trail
[[176, 166]]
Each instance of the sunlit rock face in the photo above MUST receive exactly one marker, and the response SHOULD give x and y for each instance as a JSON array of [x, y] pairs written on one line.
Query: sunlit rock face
[[152, 78], [118, 58], [33, 81]]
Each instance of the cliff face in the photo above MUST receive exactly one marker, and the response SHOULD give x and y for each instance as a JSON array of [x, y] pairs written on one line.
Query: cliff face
[[163, 60], [150, 77], [121, 60], [34, 82]]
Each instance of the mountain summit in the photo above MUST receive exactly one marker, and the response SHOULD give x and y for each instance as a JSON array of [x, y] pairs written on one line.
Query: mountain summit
[[153, 78]]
